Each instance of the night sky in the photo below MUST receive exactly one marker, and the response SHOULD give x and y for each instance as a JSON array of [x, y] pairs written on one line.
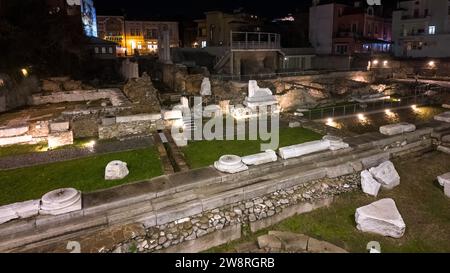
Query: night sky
[[193, 9]]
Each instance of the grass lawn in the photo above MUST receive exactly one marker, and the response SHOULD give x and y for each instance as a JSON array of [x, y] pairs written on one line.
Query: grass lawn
[[203, 153], [421, 202], [86, 174]]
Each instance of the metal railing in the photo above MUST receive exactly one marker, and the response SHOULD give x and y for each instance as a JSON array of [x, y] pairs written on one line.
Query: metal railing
[[363, 108], [254, 40], [268, 76]]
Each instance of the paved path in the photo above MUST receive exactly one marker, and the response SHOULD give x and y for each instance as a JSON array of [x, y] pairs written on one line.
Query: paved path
[[40, 158]]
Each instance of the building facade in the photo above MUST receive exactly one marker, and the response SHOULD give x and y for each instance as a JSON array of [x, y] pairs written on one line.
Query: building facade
[[345, 30], [215, 29], [136, 37], [421, 28]]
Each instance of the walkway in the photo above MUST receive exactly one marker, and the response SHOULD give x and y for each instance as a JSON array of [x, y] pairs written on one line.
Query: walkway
[[41, 158]]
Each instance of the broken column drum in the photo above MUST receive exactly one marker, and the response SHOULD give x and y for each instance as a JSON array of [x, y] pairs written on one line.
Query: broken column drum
[[60, 201], [230, 164]]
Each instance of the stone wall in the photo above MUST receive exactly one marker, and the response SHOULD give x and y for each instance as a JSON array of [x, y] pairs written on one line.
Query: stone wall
[[115, 96], [123, 126]]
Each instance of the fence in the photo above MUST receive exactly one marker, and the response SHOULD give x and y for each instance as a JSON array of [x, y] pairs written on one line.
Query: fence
[[363, 108]]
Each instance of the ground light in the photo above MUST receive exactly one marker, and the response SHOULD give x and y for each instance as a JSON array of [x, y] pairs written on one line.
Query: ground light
[[24, 72], [388, 112], [414, 107], [361, 117], [375, 62]]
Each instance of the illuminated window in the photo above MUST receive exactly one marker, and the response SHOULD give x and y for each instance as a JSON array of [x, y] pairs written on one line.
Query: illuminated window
[[203, 44], [432, 30]]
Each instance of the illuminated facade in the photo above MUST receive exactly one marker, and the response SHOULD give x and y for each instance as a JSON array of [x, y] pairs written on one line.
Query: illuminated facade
[[136, 37]]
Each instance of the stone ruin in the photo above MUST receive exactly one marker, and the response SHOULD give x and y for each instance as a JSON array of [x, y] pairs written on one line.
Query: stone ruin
[[381, 217], [56, 202], [230, 164], [116, 170], [143, 94], [258, 97]]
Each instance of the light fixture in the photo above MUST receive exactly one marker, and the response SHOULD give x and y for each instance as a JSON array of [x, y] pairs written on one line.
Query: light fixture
[[375, 62], [385, 63], [361, 117], [24, 72], [388, 112], [431, 64], [414, 107]]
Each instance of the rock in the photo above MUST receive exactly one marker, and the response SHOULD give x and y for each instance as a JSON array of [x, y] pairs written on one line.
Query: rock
[[447, 188], [369, 184], [261, 158], [444, 117], [304, 149], [386, 175], [291, 242], [230, 164], [13, 131], [50, 86], [316, 246], [60, 201], [399, 128], [173, 115], [381, 217], [444, 149], [295, 124], [252, 218], [71, 85], [142, 92], [336, 143], [443, 178], [116, 170], [205, 89], [59, 139], [270, 242], [59, 126], [26, 209]]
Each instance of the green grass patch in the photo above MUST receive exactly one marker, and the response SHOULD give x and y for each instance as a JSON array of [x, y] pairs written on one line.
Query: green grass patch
[[86, 174], [203, 153], [421, 202], [22, 149]]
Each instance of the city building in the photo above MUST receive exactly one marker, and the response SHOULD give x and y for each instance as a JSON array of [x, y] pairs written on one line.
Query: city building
[[343, 29], [421, 29], [216, 28], [136, 37]]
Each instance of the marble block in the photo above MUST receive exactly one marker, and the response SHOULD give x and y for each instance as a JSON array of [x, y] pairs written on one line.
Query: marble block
[[396, 129], [261, 158], [381, 217], [304, 149], [61, 201]]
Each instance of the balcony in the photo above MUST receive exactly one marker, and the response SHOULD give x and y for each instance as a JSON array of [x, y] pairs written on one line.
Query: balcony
[[254, 41]]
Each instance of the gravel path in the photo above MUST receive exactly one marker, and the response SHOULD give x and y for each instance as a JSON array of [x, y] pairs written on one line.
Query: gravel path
[[40, 158]]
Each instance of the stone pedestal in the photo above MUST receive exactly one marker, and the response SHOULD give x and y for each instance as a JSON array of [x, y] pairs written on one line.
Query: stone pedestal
[[336, 143], [230, 164], [61, 201], [259, 97]]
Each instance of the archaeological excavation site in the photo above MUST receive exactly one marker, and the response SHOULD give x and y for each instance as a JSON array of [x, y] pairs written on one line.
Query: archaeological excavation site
[[238, 132]]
